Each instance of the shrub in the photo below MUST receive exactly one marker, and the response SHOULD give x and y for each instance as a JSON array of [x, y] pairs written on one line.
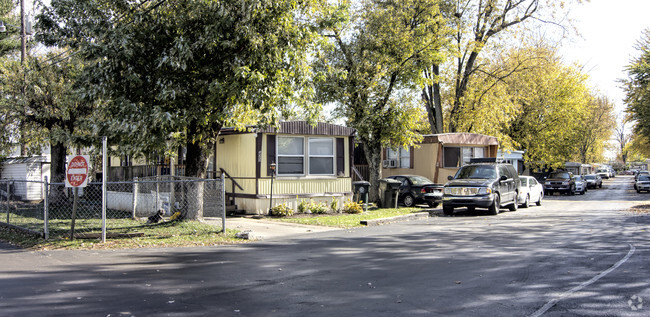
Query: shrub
[[352, 207], [302, 206], [282, 210], [317, 208], [334, 205]]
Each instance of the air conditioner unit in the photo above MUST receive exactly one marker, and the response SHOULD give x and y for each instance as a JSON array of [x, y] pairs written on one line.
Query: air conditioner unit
[[392, 163], [384, 163]]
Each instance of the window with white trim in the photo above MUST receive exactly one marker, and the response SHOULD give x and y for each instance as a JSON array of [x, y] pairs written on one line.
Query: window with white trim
[[291, 156], [318, 159], [321, 156]]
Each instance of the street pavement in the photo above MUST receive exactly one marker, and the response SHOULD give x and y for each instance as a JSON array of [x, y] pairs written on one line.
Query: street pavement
[[582, 255]]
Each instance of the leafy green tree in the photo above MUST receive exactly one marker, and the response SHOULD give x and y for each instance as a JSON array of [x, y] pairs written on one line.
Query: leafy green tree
[[10, 39], [41, 107], [174, 72], [637, 87], [371, 64]]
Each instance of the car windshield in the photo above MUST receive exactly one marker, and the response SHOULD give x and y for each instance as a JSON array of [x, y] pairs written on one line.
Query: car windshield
[[578, 178], [559, 175], [477, 171], [419, 180], [644, 178], [590, 177]]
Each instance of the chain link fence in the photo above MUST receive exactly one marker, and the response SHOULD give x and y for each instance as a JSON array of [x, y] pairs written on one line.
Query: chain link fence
[[57, 212]]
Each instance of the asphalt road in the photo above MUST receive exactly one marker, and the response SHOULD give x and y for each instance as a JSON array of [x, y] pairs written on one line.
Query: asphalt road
[[573, 256]]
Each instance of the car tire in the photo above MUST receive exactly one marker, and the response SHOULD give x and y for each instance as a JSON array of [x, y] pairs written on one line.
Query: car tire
[[515, 204], [539, 201], [526, 202], [447, 211], [433, 205], [494, 208], [600, 186], [409, 200]]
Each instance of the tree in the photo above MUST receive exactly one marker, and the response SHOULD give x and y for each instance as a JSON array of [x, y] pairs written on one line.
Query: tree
[[371, 64], [41, 107], [637, 87], [597, 126], [174, 72], [551, 102], [473, 24], [623, 138]]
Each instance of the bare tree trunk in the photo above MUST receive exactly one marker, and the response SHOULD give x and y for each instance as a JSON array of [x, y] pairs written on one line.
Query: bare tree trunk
[[433, 101]]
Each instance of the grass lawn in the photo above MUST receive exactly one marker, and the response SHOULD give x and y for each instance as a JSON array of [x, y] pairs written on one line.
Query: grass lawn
[[166, 234], [348, 220]]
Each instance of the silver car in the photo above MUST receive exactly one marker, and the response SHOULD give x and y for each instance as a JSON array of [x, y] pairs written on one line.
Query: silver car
[[581, 184]]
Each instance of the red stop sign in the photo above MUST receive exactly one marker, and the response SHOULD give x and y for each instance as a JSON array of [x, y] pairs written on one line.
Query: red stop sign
[[77, 171]]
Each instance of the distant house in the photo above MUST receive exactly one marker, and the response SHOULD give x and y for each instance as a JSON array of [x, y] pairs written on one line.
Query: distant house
[[516, 158], [438, 155], [35, 168], [578, 168], [311, 162]]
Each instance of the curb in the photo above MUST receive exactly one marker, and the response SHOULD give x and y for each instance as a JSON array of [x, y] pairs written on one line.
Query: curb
[[383, 221]]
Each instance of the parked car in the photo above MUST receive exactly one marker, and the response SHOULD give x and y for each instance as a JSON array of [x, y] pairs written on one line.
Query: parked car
[[482, 185], [581, 184], [638, 174], [530, 191], [603, 173], [418, 189], [594, 181], [560, 181], [612, 173], [642, 183]]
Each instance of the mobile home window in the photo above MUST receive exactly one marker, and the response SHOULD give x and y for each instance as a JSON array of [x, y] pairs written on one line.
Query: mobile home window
[[291, 156], [321, 156], [402, 155], [456, 156]]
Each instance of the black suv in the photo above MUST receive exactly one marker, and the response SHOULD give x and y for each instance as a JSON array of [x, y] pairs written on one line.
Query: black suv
[[560, 181], [482, 185]]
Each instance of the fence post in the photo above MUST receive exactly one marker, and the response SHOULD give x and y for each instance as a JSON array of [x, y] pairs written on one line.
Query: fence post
[[136, 188], [223, 203], [8, 199], [104, 180], [46, 207]]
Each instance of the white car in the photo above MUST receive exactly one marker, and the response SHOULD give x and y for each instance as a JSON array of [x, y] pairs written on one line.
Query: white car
[[531, 191]]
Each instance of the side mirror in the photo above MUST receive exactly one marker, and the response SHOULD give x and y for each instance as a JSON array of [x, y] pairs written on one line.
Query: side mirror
[[450, 177], [503, 177]]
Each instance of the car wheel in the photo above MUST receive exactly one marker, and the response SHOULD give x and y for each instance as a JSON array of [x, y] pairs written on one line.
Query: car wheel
[[433, 205], [409, 201], [526, 202], [539, 201], [494, 208], [600, 186], [447, 211], [515, 204]]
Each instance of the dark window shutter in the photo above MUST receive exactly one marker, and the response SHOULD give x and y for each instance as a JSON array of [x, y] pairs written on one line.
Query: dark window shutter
[[258, 156], [270, 153], [411, 157], [340, 156]]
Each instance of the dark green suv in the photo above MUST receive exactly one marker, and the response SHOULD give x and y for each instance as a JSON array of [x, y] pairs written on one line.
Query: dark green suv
[[482, 185]]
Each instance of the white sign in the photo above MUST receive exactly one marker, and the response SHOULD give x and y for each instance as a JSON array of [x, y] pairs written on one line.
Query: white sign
[[76, 175]]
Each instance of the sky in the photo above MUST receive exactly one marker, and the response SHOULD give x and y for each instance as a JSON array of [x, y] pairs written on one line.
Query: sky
[[609, 31]]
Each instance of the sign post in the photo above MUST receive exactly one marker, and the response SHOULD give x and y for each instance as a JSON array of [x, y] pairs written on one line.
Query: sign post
[[76, 175]]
